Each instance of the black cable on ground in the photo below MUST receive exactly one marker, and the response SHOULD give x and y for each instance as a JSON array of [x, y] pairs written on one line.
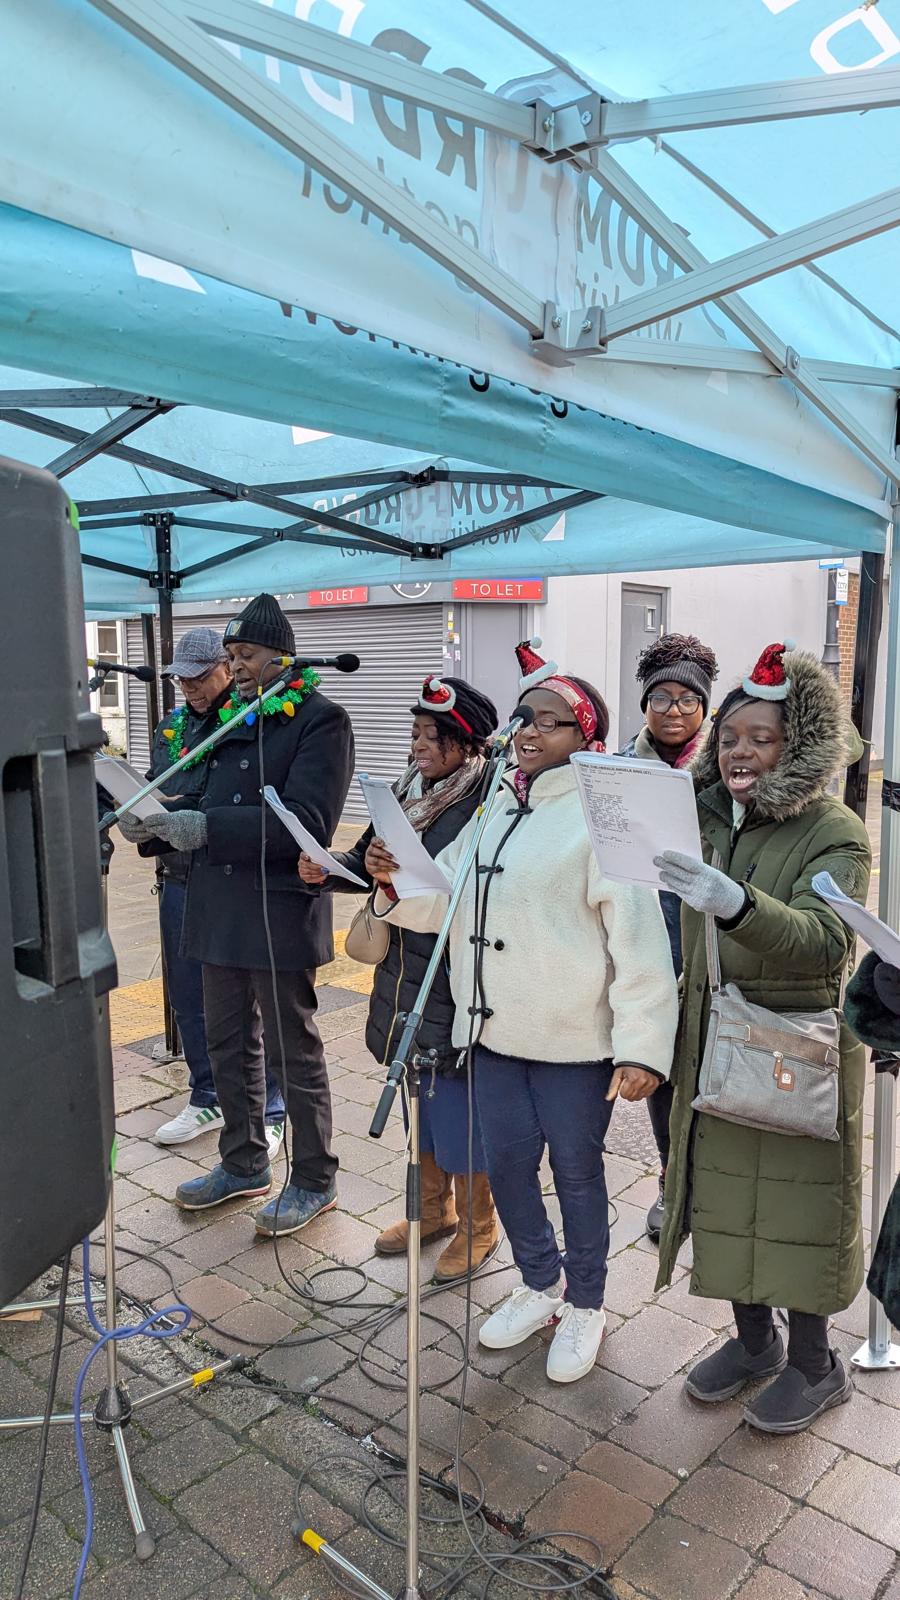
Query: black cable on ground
[[40, 1470]]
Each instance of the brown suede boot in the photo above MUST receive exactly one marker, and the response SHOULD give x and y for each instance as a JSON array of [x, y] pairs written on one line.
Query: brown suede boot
[[438, 1213], [453, 1262]]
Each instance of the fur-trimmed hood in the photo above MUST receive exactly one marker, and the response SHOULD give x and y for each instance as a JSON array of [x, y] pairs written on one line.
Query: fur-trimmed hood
[[818, 743]]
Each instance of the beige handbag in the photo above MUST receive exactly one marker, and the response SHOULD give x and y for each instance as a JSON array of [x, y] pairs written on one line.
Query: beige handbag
[[368, 936], [777, 1073]]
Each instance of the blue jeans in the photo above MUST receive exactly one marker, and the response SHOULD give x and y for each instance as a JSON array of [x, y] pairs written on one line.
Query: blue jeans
[[444, 1124], [524, 1107], [185, 982]]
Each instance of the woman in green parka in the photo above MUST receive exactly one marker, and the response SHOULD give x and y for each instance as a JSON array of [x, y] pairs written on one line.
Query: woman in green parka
[[776, 1220]]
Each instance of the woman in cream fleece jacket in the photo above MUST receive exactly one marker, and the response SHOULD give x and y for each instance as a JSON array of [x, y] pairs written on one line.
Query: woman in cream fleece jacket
[[565, 985]]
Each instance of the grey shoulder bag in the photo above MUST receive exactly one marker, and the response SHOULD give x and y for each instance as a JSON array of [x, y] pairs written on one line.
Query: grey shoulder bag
[[767, 1071]]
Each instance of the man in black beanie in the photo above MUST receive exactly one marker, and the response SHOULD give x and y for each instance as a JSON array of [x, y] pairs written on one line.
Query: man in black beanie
[[301, 745]]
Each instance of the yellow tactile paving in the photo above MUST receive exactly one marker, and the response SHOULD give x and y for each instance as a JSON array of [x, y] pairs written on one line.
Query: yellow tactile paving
[[136, 1012], [344, 973]]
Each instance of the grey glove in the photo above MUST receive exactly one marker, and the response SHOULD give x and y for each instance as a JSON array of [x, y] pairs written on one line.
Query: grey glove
[[700, 886], [184, 830], [132, 829]]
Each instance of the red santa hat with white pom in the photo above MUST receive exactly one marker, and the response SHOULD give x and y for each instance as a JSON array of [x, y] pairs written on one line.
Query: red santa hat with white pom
[[768, 680], [535, 670], [538, 673]]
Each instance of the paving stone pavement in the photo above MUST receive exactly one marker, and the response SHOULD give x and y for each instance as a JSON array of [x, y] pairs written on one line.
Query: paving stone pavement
[[684, 1501]]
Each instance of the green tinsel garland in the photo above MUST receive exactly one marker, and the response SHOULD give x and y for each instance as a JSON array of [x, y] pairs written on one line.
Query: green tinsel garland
[[276, 704]]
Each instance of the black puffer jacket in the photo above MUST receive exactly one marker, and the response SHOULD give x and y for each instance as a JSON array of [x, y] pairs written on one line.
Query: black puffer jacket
[[398, 976]]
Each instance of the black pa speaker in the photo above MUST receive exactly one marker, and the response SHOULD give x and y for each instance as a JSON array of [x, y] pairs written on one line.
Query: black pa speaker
[[56, 961]]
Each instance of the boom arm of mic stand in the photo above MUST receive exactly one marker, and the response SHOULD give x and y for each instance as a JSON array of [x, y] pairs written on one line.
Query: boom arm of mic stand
[[397, 1069], [198, 750]]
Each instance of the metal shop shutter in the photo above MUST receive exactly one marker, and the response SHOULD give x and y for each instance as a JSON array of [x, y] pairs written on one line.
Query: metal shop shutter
[[137, 726], [397, 646]]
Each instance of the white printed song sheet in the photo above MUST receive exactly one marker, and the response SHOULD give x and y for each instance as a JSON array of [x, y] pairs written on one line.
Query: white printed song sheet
[[634, 811], [419, 873], [123, 782], [878, 936], [307, 843]]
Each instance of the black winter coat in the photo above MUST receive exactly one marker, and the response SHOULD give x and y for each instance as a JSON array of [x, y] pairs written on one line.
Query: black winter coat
[[398, 976], [308, 759]]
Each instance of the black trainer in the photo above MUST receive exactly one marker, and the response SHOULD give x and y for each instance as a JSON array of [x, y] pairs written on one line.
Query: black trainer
[[791, 1403], [656, 1216], [729, 1370]]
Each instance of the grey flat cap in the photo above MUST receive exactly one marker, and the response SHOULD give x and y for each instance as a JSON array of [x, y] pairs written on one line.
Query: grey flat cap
[[196, 653]]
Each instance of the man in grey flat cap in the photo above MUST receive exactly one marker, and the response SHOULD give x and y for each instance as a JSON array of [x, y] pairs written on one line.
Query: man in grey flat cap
[[203, 671]]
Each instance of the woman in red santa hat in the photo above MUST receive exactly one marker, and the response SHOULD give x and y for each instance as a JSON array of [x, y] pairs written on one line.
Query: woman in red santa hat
[[775, 1217], [564, 989]]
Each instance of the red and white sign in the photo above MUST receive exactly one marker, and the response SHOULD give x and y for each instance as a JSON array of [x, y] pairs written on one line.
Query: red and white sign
[[498, 589], [338, 597]]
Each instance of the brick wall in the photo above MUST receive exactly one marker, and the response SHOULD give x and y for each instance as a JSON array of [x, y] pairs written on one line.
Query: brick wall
[[847, 616]]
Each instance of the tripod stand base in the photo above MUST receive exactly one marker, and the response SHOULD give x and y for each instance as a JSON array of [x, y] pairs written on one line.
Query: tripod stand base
[[333, 1557]]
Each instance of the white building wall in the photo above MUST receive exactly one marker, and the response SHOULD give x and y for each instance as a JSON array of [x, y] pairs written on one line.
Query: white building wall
[[737, 610]]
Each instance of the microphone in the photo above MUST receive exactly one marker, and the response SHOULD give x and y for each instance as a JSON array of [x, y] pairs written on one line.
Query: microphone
[[342, 663], [502, 740], [145, 674]]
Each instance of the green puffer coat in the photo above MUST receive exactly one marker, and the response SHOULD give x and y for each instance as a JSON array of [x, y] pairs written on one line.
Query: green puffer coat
[[775, 1220]]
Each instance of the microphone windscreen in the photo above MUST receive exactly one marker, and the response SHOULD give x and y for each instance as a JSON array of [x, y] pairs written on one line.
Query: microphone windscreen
[[347, 663], [146, 674], [526, 713]]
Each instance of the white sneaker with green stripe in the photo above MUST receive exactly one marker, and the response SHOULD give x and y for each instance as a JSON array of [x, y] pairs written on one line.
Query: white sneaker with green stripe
[[189, 1124], [274, 1137]]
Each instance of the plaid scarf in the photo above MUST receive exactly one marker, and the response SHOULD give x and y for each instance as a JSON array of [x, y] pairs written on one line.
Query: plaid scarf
[[424, 805]]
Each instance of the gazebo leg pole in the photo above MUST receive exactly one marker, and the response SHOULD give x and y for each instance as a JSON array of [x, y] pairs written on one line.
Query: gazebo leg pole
[[878, 1350]]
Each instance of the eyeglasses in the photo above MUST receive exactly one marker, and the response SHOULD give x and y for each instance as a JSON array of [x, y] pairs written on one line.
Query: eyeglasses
[[662, 702], [547, 724]]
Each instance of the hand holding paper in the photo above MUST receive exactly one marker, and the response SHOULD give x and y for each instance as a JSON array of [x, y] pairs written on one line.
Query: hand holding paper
[[304, 838], [699, 886], [123, 782], [636, 811], [413, 871]]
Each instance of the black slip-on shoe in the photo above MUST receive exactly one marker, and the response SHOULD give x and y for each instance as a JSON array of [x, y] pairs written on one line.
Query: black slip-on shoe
[[791, 1403], [727, 1371]]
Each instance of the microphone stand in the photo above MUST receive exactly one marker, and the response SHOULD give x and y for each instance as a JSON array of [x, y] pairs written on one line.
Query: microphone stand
[[406, 1065], [265, 692]]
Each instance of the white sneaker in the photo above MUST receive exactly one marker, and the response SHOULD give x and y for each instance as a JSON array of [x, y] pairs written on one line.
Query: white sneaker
[[274, 1138], [518, 1318], [576, 1342], [189, 1124]]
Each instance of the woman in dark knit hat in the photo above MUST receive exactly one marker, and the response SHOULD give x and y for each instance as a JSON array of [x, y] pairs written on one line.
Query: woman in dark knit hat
[[676, 674], [439, 793]]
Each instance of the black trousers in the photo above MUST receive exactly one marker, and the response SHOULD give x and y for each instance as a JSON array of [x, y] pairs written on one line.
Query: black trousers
[[808, 1348], [659, 1106], [228, 997]]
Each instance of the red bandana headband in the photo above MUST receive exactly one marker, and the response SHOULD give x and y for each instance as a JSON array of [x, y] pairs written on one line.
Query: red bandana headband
[[537, 673], [441, 697]]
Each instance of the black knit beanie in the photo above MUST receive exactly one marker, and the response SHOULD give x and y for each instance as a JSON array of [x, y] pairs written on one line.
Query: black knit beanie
[[677, 658], [262, 622]]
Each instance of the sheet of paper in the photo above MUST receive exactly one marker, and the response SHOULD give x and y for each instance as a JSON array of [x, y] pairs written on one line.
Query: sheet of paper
[[304, 838], [418, 874], [634, 811], [122, 781], [878, 936]]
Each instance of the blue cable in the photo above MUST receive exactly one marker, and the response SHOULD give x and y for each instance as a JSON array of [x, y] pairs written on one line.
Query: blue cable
[[150, 1329]]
